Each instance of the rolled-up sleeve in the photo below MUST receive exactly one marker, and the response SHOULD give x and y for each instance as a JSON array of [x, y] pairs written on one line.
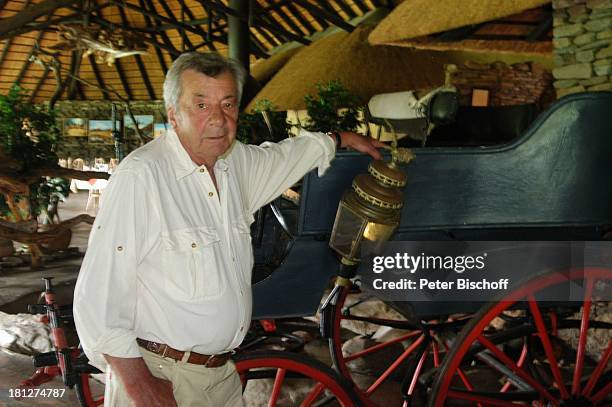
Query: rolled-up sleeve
[[105, 293], [273, 167]]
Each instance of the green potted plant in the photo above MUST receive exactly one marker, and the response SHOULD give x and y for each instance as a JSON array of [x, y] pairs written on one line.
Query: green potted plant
[[264, 123], [333, 108]]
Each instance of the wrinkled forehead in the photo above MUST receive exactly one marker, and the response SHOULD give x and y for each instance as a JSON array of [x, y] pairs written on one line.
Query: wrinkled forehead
[[197, 84]]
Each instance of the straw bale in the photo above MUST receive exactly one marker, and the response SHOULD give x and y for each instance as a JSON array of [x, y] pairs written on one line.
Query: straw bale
[[264, 69], [363, 69], [416, 18]]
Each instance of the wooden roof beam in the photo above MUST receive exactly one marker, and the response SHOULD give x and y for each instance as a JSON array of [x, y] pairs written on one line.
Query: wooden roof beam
[[62, 83], [155, 16], [346, 8], [206, 21], [186, 43], [539, 31], [300, 17], [457, 34], [30, 14], [94, 67], [138, 58], [272, 40], [39, 84], [361, 6], [78, 57], [28, 61], [79, 89], [123, 79], [258, 20], [294, 27], [331, 17], [160, 55]]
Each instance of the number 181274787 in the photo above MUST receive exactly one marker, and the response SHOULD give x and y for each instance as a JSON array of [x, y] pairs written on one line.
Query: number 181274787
[[33, 392]]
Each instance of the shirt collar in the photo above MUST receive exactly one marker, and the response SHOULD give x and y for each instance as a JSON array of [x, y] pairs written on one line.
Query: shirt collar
[[182, 164]]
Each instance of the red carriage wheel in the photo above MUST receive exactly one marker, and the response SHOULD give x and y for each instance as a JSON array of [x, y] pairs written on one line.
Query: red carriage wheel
[[550, 341], [281, 373]]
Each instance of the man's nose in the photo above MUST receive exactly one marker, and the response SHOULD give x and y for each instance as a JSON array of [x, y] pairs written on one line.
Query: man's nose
[[216, 117]]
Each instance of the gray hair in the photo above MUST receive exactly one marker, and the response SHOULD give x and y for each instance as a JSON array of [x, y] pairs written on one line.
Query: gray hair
[[210, 64]]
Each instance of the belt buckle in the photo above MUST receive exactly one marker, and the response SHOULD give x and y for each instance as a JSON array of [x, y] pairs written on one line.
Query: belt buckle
[[163, 354], [211, 357], [154, 347]]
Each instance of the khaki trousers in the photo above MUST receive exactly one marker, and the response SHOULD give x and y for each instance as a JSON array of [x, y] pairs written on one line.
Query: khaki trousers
[[192, 385]]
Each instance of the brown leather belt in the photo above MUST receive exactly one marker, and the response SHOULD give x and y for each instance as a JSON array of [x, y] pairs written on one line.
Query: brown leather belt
[[194, 357]]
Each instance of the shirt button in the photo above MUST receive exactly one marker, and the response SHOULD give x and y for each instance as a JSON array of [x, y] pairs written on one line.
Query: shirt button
[[202, 170], [210, 194], [194, 245], [119, 248], [241, 328]]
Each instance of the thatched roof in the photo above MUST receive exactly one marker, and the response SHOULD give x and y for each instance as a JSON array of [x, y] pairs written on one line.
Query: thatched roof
[[264, 69], [416, 18], [363, 69]]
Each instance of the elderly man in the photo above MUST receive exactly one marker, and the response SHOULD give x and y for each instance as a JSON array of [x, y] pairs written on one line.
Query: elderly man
[[164, 293]]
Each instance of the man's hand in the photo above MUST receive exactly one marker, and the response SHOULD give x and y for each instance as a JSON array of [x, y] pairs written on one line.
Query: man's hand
[[366, 145], [142, 387]]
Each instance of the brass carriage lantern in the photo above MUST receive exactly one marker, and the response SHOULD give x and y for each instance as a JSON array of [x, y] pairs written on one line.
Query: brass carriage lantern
[[371, 209]]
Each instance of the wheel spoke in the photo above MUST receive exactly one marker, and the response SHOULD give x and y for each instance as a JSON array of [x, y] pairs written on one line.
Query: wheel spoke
[[436, 353], [487, 401], [516, 369], [544, 338], [380, 346], [395, 364], [312, 396], [519, 363], [584, 328], [417, 371], [598, 371], [462, 375], [597, 397], [276, 388]]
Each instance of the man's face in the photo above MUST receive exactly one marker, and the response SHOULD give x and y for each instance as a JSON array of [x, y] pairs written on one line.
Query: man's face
[[207, 118]]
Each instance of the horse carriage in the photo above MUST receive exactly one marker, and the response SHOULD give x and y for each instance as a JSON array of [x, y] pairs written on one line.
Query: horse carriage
[[552, 183]]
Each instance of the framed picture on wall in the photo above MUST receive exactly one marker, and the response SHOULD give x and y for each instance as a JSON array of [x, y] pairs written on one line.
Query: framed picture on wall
[[101, 131], [145, 124], [480, 97], [159, 129], [75, 127]]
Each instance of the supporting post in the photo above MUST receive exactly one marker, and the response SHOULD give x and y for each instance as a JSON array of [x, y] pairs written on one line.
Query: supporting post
[[238, 32]]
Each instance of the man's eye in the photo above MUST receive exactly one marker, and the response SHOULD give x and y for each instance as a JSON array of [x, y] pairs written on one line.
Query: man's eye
[[202, 106], [229, 105]]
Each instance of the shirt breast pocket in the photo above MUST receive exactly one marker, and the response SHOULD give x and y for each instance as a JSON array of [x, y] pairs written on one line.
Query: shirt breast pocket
[[193, 269]]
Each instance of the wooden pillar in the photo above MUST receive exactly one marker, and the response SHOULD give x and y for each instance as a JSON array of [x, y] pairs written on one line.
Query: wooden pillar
[[238, 32]]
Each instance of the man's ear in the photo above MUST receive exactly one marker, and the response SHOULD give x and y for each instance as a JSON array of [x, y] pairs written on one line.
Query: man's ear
[[172, 117]]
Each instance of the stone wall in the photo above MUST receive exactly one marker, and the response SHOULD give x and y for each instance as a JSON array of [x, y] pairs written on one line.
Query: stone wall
[[508, 85], [582, 45], [80, 147]]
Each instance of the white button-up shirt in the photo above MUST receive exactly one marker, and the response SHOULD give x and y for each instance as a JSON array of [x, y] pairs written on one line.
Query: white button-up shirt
[[169, 260]]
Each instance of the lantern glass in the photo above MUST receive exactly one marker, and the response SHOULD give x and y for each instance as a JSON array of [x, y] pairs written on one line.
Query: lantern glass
[[379, 232], [348, 231]]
